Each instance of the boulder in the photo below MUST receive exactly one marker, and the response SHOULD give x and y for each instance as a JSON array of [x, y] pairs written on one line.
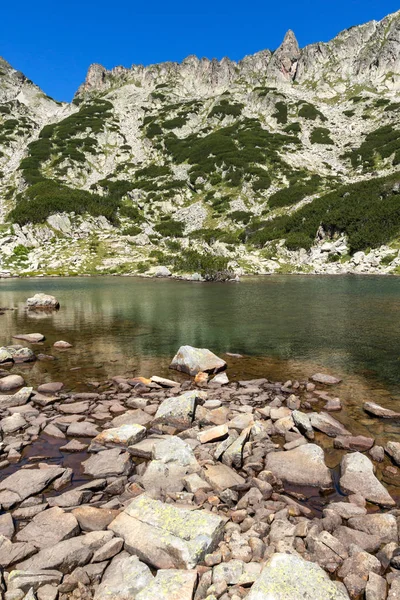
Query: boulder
[[13, 423], [304, 466], [31, 338], [351, 442], [50, 388], [166, 536], [82, 429], [91, 518], [11, 553], [7, 525], [25, 580], [382, 525], [68, 554], [177, 411], [379, 411], [42, 301], [194, 360], [18, 399], [328, 425], [289, 577], [213, 434], [23, 355], [27, 482], [170, 584], [5, 355], [125, 435], [108, 463], [303, 423], [357, 477], [123, 579], [11, 382], [48, 528], [222, 477], [325, 379]]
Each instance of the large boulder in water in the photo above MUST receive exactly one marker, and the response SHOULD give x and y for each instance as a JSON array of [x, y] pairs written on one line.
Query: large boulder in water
[[194, 360], [42, 301], [289, 577]]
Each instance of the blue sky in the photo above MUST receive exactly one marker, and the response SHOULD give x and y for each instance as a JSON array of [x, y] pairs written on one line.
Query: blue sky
[[53, 43]]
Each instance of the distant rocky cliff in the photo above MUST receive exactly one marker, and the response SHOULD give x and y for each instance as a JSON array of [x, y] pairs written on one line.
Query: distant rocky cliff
[[284, 161]]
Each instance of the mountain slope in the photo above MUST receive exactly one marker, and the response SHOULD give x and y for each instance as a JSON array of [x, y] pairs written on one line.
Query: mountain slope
[[284, 161]]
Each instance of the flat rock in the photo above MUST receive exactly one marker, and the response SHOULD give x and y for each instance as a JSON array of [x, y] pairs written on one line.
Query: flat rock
[[358, 478], [194, 360], [328, 425], [170, 584], [7, 525], [48, 528], [290, 577], [18, 399], [169, 383], [50, 388], [350, 442], [325, 379], [383, 525], [124, 578], [11, 553], [28, 482], [24, 580], [144, 449], [68, 554], [91, 518], [82, 429], [350, 537], [166, 536], [74, 446], [222, 477], [172, 449], [132, 417], [11, 382], [32, 338], [53, 431], [23, 355], [379, 411], [108, 463], [74, 408], [220, 379], [303, 466], [177, 411], [125, 435], [42, 301], [213, 434], [303, 423]]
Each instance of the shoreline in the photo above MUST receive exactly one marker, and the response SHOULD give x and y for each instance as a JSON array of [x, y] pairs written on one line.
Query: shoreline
[[251, 458]]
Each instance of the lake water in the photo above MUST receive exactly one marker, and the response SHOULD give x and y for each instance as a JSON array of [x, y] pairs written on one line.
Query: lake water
[[285, 326]]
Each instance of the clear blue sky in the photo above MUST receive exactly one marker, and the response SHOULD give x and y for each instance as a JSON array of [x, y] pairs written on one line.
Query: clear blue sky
[[53, 43]]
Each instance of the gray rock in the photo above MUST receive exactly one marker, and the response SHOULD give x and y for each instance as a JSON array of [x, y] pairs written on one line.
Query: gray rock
[[379, 411], [123, 579], [28, 482], [376, 588], [365, 541], [327, 424], [82, 429], [303, 423], [11, 382], [382, 525], [125, 435], [170, 584], [12, 423], [177, 411], [289, 577], [7, 525], [42, 301], [221, 477], [195, 360], [108, 463], [11, 553], [18, 399], [357, 476], [393, 449], [166, 536], [25, 580], [304, 466], [110, 549], [174, 450], [325, 379], [48, 528], [32, 338]]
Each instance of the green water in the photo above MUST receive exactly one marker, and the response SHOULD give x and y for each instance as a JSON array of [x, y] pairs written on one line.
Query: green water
[[285, 326]]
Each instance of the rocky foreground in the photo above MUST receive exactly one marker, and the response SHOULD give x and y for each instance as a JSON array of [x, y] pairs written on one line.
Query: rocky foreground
[[191, 491]]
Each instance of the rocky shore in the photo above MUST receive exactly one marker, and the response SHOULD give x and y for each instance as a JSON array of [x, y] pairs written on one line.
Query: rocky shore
[[206, 489]]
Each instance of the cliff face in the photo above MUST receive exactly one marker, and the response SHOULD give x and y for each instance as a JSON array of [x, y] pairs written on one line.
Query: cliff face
[[288, 157]]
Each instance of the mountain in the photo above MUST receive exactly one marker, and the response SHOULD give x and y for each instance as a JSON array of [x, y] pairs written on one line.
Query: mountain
[[285, 161]]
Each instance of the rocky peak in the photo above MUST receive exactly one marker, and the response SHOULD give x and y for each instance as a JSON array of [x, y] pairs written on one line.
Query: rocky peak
[[284, 61], [94, 79]]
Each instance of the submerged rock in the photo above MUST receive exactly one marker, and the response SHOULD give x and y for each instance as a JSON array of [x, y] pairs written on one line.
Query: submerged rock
[[358, 478], [32, 338], [290, 577], [11, 382], [166, 536], [42, 301], [61, 344], [379, 411], [325, 379], [194, 360]]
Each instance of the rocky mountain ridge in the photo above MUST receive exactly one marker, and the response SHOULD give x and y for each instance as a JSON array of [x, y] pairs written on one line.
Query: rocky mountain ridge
[[284, 161]]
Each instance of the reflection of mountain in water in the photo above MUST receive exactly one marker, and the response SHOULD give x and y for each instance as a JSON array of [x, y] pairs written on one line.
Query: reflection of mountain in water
[[346, 324]]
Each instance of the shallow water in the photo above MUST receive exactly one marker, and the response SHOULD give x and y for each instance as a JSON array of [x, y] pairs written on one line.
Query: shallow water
[[286, 327]]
